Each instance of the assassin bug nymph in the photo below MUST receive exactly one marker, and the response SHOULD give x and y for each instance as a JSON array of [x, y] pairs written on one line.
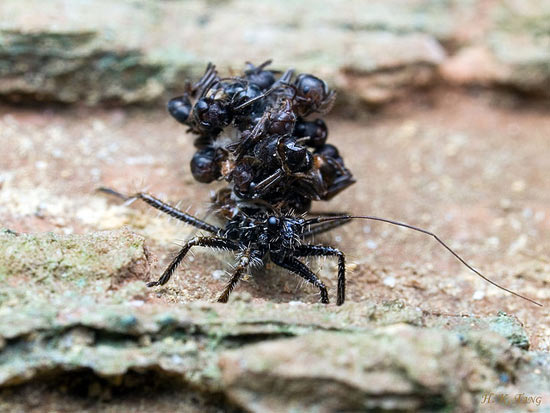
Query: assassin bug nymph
[[257, 233]]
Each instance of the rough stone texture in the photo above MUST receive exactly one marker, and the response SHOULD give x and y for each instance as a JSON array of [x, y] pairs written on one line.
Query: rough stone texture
[[395, 368], [141, 51], [243, 352], [35, 268], [110, 254], [79, 331], [105, 332], [512, 51], [133, 51]]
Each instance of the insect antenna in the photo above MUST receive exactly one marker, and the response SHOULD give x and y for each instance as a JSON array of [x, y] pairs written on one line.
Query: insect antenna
[[401, 224], [113, 192]]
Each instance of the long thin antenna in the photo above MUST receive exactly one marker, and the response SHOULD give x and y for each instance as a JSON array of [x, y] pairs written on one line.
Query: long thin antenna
[[401, 224]]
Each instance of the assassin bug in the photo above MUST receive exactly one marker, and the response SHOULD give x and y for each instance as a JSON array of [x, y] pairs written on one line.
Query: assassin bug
[[256, 233]]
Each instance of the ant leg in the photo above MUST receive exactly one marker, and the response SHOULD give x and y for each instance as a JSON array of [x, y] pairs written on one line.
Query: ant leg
[[167, 209], [212, 242], [322, 250], [262, 187], [237, 274], [298, 267], [205, 81], [256, 69], [327, 103], [257, 131], [285, 78]]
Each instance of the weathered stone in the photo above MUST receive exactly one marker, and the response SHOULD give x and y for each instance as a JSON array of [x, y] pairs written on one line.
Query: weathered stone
[[354, 361], [513, 51], [137, 52], [49, 257], [55, 324], [399, 368]]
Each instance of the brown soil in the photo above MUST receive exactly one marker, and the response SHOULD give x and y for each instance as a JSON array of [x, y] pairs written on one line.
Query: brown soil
[[469, 167]]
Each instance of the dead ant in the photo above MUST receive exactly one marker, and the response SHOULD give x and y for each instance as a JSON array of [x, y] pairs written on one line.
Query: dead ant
[[257, 233]]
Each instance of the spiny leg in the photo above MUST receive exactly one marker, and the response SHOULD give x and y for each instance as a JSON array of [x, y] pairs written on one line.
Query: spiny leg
[[167, 209], [212, 242], [237, 274], [322, 250], [321, 227], [298, 267]]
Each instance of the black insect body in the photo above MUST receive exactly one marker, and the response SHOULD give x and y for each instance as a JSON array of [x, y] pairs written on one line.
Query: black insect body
[[264, 79], [180, 108], [315, 132], [205, 165], [255, 238], [256, 234], [253, 134], [312, 95]]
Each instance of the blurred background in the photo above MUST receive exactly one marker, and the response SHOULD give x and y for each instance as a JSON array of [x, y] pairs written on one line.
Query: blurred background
[[139, 52], [442, 115]]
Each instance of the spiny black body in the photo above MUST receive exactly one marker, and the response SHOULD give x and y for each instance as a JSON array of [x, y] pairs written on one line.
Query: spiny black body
[[255, 238], [260, 234]]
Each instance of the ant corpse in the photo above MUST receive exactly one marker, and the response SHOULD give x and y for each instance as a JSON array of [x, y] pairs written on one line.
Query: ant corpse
[[256, 233]]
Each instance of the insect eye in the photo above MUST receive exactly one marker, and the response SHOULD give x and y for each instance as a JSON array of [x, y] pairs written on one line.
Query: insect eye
[[273, 221]]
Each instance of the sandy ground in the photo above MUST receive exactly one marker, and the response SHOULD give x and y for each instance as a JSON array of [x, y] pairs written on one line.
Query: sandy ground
[[470, 167]]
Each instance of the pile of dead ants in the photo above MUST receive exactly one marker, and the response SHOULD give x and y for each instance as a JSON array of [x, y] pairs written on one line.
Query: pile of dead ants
[[253, 132]]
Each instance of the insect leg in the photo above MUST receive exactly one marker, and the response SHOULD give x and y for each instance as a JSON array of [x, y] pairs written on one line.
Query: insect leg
[[297, 267], [167, 209], [212, 242], [264, 185], [323, 227], [237, 274], [205, 81], [322, 250]]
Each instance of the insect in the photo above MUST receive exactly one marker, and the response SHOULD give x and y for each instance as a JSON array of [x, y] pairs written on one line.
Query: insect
[[252, 133], [255, 234]]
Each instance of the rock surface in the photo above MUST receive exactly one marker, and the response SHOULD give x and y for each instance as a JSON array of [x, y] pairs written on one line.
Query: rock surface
[[129, 52], [79, 331], [317, 358], [512, 51]]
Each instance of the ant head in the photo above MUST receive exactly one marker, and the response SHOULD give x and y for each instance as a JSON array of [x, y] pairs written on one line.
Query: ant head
[[316, 132], [204, 165], [245, 94], [180, 108], [312, 95], [211, 113], [298, 158], [311, 88], [256, 75]]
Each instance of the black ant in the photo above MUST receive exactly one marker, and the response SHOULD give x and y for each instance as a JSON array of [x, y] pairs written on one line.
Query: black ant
[[256, 233], [252, 134]]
